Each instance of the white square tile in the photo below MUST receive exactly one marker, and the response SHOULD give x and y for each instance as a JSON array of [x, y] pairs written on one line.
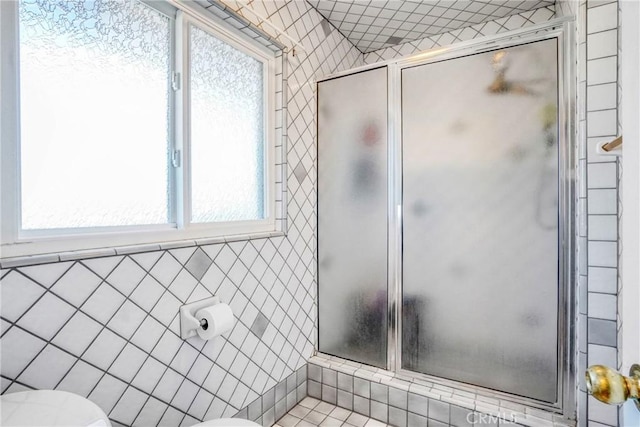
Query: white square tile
[[602, 355], [602, 413], [602, 44], [239, 395], [185, 395], [603, 202], [47, 316], [46, 274], [149, 375], [183, 285], [17, 294], [603, 280], [171, 417], [166, 269], [104, 350], [128, 407], [603, 254], [602, 175], [602, 97], [214, 380], [603, 227], [147, 259], [76, 285], [126, 276], [128, 363], [107, 393], [200, 404], [166, 309], [77, 334], [184, 360], [81, 379], [167, 347], [602, 18], [127, 319], [200, 369], [602, 306], [183, 254], [102, 266], [147, 293], [226, 357], [228, 386], [602, 70], [602, 123], [168, 385], [18, 349], [147, 336], [103, 304], [150, 414], [46, 371], [225, 258]]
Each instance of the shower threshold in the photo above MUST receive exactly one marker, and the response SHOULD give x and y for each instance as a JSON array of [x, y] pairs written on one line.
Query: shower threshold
[[404, 399]]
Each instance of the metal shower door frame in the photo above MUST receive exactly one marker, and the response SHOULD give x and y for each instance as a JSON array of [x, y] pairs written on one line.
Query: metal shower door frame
[[562, 29]]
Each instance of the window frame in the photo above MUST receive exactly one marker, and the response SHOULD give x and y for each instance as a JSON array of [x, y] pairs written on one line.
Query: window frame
[[16, 242]]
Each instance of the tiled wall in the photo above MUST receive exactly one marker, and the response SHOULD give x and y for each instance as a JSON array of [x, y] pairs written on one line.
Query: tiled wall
[[404, 401], [108, 328], [597, 177], [501, 25], [598, 200]]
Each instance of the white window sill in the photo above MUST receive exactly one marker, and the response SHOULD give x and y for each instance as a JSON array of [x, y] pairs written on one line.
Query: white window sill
[[24, 260]]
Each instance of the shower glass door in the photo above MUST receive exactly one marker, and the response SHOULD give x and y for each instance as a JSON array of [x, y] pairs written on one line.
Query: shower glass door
[[480, 269], [352, 216]]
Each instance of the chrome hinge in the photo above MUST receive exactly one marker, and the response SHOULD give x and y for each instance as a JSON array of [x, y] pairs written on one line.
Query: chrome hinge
[[175, 158], [175, 81]]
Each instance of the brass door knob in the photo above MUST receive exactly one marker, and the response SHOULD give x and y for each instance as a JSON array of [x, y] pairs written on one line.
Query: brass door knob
[[611, 387]]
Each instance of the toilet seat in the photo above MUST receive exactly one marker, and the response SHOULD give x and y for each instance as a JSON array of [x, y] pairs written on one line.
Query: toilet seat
[[50, 408], [227, 422]]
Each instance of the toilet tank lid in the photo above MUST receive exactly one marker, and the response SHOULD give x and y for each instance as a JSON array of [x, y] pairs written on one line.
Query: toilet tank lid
[[51, 408], [227, 422]]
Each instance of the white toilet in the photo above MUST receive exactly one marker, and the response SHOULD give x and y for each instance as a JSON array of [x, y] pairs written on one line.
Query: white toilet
[[54, 408]]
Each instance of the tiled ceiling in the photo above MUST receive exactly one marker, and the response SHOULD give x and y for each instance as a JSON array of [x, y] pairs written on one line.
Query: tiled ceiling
[[375, 24]]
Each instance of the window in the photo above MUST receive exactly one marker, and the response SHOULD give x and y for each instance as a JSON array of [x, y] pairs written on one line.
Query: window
[[138, 123]]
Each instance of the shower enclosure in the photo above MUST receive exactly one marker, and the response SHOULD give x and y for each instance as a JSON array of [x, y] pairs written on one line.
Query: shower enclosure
[[445, 217]]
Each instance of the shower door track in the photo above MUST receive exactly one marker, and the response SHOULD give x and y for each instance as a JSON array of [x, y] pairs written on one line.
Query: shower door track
[[562, 29]]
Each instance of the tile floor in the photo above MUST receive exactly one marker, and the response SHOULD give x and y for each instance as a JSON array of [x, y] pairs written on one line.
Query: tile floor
[[314, 413]]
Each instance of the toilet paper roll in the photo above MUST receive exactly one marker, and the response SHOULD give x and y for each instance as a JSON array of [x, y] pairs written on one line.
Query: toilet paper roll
[[219, 319]]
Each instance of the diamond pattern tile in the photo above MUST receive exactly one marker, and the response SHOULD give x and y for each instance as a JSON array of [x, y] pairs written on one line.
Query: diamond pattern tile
[[124, 357], [76, 285], [19, 348], [126, 276], [46, 371], [104, 350], [77, 334], [107, 393], [541, 13], [81, 379], [128, 406], [103, 304], [17, 294], [47, 316]]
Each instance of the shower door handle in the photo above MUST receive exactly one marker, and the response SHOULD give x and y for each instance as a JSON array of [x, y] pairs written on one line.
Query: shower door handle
[[609, 386]]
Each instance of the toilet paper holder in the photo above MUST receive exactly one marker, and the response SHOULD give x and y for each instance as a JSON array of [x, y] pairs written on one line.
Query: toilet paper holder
[[189, 324]]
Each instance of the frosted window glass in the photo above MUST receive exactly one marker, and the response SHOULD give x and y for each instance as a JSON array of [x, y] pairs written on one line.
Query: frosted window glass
[[94, 113], [227, 131], [480, 203], [352, 216]]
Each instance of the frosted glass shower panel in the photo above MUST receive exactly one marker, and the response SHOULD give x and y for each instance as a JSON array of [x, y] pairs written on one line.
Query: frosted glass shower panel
[[352, 216], [480, 232]]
